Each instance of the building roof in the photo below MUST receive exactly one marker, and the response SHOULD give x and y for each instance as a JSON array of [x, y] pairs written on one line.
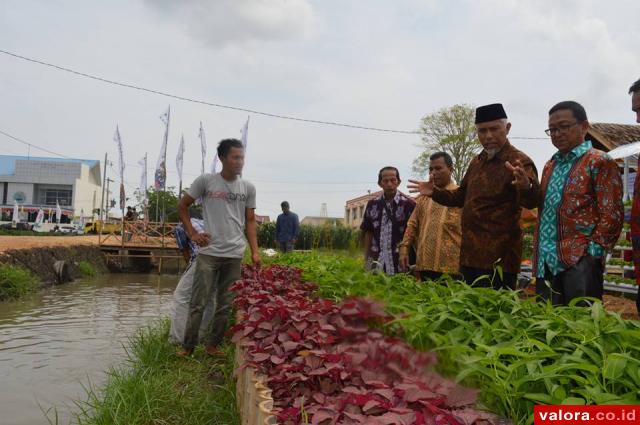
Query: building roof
[[8, 162], [606, 136], [367, 196]]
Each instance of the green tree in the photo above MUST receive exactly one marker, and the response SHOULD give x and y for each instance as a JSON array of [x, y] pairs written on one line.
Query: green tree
[[450, 130], [166, 201], [159, 201]]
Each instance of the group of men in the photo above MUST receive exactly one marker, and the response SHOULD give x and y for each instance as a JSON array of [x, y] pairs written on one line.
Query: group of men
[[471, 230]]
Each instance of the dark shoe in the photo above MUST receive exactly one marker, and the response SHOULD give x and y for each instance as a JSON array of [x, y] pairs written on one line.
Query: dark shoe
[[185, 352], [214, 351]]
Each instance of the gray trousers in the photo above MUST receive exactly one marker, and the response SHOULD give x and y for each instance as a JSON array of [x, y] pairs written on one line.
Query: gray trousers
[[211, 281], [286, 246]]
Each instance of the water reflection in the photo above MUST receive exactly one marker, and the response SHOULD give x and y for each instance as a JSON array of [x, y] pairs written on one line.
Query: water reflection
[[56, 341]]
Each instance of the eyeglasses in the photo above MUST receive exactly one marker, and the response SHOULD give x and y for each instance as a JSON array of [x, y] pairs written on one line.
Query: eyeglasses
[[562, 128]]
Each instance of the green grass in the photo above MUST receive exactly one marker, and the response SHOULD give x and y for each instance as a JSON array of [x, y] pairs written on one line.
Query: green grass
[[157, 387], [87, 269], [16, 282]]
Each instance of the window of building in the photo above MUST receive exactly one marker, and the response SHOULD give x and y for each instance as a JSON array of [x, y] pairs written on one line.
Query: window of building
[[51, 196], [361, 211], [354, 214]]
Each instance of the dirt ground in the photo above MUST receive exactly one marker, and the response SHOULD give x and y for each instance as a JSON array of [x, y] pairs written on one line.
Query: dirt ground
[[624, 306], [26, 242]]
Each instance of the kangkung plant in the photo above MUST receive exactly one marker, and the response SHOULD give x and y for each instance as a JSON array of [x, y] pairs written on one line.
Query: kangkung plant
[[519, 352]]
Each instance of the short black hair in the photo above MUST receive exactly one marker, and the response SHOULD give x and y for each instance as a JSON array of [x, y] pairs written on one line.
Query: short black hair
[[447, 158], [387, 168], [284, 204], [635, 87], [576, 109], [225, 146]]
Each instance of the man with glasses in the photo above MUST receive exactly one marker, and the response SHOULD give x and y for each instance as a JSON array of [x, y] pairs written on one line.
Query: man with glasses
[[634, 91], [384, 222], [580, 213], [498, 183]]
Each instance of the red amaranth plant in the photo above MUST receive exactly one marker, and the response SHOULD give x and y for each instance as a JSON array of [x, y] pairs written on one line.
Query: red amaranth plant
[[328, 363]]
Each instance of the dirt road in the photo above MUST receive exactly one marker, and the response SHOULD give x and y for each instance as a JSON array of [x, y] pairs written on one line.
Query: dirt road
[[26, 242]]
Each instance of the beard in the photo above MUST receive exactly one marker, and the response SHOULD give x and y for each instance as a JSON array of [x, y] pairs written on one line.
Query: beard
[[491, 152]]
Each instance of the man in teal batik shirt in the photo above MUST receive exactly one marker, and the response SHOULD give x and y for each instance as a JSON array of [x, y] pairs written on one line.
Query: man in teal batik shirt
[[581, 212]]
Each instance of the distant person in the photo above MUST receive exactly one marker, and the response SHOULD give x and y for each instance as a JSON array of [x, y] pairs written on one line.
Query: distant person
[[384, 222], [129, 215], [434, 230], [498, 183], [580, 215], [228, 203], [182, 293], [634, 91], [287, 228]]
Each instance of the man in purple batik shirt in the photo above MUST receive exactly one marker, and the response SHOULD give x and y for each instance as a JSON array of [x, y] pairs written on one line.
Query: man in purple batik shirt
[[384, 222]]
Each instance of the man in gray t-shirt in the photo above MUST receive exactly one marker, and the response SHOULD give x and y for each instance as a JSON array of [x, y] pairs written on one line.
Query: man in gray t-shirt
[[228, 204]]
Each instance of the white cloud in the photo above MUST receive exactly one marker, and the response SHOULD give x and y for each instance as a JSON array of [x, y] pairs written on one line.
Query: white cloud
[[225, 22]]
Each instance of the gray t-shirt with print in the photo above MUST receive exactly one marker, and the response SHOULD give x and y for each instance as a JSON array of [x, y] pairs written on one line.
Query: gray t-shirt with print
[[224, 204]]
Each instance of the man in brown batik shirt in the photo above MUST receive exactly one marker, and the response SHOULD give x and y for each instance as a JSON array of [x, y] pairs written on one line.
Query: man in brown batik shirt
[[498, 183]]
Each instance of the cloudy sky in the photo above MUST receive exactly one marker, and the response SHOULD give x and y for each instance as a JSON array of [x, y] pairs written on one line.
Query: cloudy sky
[[372, 63]]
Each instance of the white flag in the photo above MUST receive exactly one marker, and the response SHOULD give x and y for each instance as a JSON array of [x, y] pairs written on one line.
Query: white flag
[[180, 157], [244, 132], [203, 146], [160, 177], [143, 179], [58, 212], [40, 217], [16, 213], [118, 140], [214, 164]]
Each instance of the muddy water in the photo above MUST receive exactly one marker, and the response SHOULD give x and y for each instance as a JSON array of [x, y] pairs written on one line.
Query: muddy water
[[57, 341]]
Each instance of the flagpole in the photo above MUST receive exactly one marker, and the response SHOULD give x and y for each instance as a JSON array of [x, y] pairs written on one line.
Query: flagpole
[[104, 180], [164, 185], [146, 200]]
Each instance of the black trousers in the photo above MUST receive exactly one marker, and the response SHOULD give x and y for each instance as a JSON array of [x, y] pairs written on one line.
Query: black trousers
[[429, 275], [482, 278], [585, 279]]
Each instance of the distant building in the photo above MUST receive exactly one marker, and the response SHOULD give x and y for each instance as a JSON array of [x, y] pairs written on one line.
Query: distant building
[[262, 219], [321, 221], [34, 183], [354, 210], [606, 137]]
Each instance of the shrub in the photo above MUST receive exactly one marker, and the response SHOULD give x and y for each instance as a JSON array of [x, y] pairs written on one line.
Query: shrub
[[16, 282], [87, 269], [313, 237]]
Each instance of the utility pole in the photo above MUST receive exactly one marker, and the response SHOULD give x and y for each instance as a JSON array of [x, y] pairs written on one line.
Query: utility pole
[[106, 211]]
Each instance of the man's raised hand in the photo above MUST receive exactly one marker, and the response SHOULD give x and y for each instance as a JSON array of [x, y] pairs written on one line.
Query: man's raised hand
[[417, 186], [520, 178]]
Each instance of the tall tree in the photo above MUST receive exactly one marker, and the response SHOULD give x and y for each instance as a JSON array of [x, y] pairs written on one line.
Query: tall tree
[[450, 130]]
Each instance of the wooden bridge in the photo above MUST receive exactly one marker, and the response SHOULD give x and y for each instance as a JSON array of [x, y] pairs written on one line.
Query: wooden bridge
[[141, 245]]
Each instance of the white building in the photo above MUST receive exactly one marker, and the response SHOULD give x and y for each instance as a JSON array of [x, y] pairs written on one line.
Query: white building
[[34, 183]]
